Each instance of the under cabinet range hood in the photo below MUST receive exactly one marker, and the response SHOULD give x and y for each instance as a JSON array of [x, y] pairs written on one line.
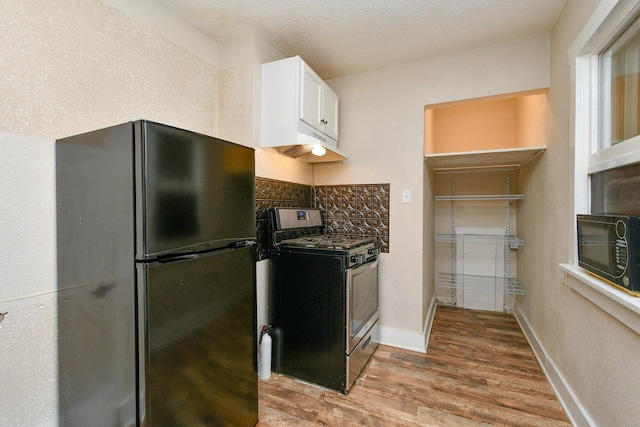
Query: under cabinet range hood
[[299, 112], [298, 141]]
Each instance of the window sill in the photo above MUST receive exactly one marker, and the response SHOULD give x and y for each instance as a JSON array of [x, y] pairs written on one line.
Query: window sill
[[617, 303]]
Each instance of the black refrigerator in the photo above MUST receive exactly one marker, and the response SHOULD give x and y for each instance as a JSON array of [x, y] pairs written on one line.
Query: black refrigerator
[[156, 279]]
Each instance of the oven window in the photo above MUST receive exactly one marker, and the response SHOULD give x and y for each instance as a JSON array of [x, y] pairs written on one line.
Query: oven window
[[595, 245], [364, 296]]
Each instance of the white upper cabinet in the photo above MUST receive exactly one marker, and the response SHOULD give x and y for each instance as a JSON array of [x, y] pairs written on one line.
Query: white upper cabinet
[[318, 103], [330, 112], [299, 111], [310, 97]]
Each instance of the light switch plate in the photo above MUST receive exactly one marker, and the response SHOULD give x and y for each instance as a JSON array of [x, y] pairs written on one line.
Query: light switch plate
[[406, 196]]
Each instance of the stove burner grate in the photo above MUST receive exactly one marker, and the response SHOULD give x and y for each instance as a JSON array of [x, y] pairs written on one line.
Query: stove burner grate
[[328, 242]]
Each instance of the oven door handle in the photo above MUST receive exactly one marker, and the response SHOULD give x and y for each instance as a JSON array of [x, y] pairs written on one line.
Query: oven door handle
[[353, 337], [369, 265]]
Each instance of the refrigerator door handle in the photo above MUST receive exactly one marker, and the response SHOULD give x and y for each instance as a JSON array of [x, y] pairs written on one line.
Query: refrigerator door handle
[[243, 244], [183, 257], [177, 258]]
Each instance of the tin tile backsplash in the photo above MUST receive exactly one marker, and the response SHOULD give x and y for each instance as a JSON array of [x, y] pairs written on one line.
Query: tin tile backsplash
[[278, 194], [361, 210]]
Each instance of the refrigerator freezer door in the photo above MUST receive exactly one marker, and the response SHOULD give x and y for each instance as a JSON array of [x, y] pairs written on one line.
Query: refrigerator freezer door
[[193, 192], [199, 347]]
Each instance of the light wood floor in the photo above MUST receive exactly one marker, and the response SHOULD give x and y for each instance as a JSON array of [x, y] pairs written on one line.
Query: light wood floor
[[479, 370]]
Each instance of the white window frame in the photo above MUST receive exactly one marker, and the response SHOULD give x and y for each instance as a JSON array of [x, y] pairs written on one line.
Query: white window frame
[[608, 20]]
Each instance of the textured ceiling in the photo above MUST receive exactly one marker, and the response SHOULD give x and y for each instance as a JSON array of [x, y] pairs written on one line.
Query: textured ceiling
[[342, 37]]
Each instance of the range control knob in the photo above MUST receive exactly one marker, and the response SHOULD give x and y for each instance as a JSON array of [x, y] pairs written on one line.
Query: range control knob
[[357, 258]]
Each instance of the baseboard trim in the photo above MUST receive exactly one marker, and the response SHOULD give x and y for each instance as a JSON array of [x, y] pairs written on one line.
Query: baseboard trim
[[426, 332], [401, 338], [568, 399], [407, 340]]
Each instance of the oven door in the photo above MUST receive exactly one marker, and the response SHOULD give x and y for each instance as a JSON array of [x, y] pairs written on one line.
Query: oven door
[[362, 301]]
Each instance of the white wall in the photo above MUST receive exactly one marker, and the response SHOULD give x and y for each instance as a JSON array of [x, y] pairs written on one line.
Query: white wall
[[587, 352], [240, 62], [70, 66], [382, 130]]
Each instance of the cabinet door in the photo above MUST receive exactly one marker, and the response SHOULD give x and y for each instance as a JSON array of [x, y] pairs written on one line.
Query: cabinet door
[[310, 97], [330, 112]]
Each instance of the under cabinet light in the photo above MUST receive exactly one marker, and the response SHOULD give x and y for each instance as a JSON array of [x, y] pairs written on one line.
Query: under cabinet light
[[319, 150]]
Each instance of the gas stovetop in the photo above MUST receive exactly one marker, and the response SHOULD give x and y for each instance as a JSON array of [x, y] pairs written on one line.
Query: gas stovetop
[[302, 228], [328, 241]]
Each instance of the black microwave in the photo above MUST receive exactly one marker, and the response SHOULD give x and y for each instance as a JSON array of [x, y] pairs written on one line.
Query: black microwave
[[609, 247]]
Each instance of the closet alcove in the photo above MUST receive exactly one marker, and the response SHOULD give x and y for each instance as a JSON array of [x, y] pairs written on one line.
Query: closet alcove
[[474, 149]]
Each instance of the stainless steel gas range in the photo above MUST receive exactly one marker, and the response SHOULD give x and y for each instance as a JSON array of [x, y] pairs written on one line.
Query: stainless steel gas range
[[323, 299]]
